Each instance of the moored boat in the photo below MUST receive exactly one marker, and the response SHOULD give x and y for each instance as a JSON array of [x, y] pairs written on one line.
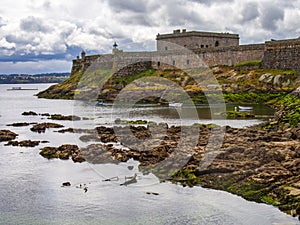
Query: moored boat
[[245, 108], [175, 104], [20, 89]]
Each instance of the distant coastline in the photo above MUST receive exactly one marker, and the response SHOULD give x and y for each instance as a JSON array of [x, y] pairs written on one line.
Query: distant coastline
[[33, 79]]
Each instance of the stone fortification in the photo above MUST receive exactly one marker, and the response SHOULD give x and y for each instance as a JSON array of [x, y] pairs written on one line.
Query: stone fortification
[[283, 54], [195, 40], [178, 50]]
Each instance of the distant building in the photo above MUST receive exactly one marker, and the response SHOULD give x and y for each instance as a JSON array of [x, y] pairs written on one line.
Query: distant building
[[195, 40]]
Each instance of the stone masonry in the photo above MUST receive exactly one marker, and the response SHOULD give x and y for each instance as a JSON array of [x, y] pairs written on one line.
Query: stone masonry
[[182, 54]]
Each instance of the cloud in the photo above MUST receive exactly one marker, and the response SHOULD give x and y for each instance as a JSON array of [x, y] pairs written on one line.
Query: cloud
[[137, 6], [210, 2], [250, 11], [34, 31], [2, 22], [271, 14], [33, 24]]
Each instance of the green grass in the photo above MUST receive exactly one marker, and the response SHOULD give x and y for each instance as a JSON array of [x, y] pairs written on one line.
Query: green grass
[[248, 63], [131, 78]]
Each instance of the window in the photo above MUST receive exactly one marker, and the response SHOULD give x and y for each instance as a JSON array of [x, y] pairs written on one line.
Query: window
[[206, 46], [202, 46], [158, 64], [188, 62], [217, 43], [166, 48], [173, 62]]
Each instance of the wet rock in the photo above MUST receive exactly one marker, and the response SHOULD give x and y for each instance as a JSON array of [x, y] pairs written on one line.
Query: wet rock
[[66, 184], [63, 152], [130, 167], [68, 130], [22, 124], [62, 117], [45, 114], [7, 135], [41, 127], [30, 113], [25, 143], [152, 193]]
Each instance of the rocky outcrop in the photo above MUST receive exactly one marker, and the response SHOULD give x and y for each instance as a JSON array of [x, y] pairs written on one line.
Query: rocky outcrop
[[7, 135], [62, 117], [30, 113], [25, 143], [258, 165], [21, 124], [41, 127], [63, 152]]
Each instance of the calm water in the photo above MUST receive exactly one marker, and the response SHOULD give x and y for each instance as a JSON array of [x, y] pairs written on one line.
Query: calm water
[[31, 191]]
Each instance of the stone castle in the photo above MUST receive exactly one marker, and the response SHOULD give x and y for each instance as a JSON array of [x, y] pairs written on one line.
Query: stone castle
[[212, 48]]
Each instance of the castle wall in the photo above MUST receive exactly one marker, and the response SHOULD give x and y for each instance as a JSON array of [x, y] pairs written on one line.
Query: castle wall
[[284, 54], [126, 63], [195, 40], [232, 55], [274, 54]]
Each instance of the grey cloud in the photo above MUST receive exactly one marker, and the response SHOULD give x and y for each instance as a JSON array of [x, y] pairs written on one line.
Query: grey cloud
[[179, 15], [20, 40], [137, 6], [33, 24], [47, 5], [270, 15], [250, 12], [2, 23], [211, 2], [140, 19]]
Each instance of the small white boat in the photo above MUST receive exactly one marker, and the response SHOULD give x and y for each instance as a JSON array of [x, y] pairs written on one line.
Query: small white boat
[[245, 108], [175, 104], [21, 89]]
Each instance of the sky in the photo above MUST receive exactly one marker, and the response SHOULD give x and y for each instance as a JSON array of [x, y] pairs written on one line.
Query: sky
[[38, 36]]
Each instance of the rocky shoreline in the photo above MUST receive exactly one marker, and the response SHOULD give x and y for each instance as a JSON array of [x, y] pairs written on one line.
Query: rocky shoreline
[[261, 163], [257, 164]]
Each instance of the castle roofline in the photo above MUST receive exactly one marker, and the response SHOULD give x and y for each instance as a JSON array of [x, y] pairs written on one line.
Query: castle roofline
[[184, 33]]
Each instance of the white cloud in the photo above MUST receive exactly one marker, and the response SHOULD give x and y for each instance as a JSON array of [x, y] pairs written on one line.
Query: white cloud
[[61, 28]]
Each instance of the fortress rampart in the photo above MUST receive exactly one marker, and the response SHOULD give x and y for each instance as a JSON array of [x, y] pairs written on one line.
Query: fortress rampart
[[283, 54]]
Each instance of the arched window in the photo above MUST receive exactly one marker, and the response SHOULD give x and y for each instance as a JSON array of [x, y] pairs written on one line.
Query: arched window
[[217, 43]]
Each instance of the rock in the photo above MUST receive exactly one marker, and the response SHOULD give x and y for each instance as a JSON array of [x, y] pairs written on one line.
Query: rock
[[78, 158], [130, 167], [263, 77], [286, 84], [66, 184], [41, 127], [297, 92], [277, 81], [62, 117], [30, 113], [25, 143], [152, 193], [63, 152], [23, 124], [45, 114], [7, 135], [70, 130]]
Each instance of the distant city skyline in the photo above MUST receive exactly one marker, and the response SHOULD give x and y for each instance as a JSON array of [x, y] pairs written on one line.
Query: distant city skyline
[[44, 36]]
